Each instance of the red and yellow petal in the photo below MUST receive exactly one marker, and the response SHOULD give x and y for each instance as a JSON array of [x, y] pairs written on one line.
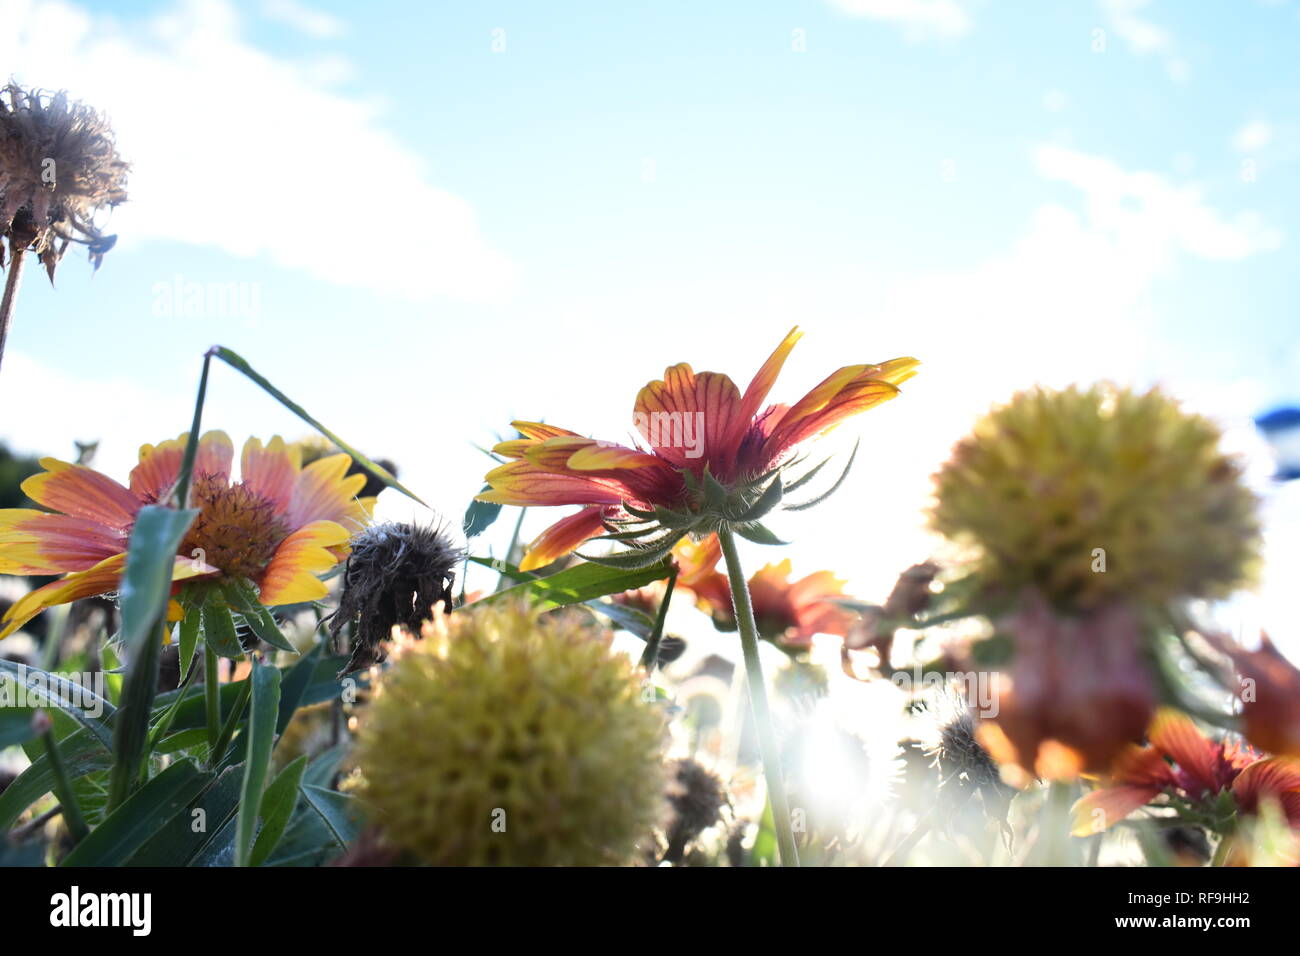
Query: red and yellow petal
[[271, 470], [83, 493], [291, 578], [1102, 809], [1176, 735], [152, 479], [844, 393], [685, 412], [525, 483], [38, 542], [766, 376], [1271, 778], [324, 491], [100, 579], [563, 537]]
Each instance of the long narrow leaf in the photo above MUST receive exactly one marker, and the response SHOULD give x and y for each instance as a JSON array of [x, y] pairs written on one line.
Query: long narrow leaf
[[261, 736], [236, 362]]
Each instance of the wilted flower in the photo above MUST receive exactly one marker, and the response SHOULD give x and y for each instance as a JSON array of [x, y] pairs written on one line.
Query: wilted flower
[[278, 527], [58, 168], [712, 457], [507, 738], [1270, 696], [1077, 693], [1099, 493], [1182, 762], [395, 574], [696, 797]]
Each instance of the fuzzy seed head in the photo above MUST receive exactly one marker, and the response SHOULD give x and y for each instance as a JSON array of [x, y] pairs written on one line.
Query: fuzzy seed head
[[506, 738], [1098, 493]]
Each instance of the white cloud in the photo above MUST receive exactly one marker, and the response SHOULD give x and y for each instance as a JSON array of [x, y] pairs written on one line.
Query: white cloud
[[235, 148], [313, 23], [1252, 137], [918, 18], [1143, 36]]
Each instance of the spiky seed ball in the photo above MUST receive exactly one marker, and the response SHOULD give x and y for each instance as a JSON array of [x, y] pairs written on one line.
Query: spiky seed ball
[[395, 574], [507, 738], [1047, 479]]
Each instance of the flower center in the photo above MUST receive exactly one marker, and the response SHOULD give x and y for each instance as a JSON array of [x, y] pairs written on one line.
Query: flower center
[[237, 530]]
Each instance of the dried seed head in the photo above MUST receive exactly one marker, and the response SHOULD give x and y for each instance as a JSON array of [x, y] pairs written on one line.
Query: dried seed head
[[59, 167], [395, 574], [696, 797]]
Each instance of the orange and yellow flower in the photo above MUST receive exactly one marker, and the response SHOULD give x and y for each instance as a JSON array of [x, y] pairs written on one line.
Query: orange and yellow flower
[[787, 612], [693, 426], [1184, 763], [279, 525]]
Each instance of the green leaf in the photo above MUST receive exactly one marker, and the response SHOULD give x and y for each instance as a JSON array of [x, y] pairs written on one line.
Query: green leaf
[[294, 685], [17, 725], [261, 737], [757, 533], [66, 695], [769, 499], [129, 826], [182, 839], [189, 640], [146, 584], [277, 807], [236, 362], [82, 754], [628, 618], [480, 515], [337, 811], [804, 505], [219, 630], [580, 583], [243, 599]]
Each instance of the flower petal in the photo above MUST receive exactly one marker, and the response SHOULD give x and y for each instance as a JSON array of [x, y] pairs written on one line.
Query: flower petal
[[766, 377], [82, 492], [99, 579], [1102, 809], [691, 419], [38, 542], [1174, 734], [325, 491], [271, 471], [1264, 779], [215, 454], [846, 392], [152, 479], [524, 483], [563, 537], [290, 578]]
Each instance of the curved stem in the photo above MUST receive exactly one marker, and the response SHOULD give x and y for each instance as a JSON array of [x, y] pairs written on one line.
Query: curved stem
[[16, 257], [758, 700]]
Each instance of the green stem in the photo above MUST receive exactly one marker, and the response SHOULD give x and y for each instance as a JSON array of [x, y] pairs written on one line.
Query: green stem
[[758, 700], [182, 492], [502, 581], [63, 790], [232, 721], [211, 696], [651, 655]]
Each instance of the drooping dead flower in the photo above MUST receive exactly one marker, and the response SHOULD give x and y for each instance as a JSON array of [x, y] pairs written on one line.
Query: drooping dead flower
[[59, 167]]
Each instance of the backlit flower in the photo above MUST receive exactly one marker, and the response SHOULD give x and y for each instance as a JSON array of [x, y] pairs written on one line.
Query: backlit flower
[[1182, 762], [711, 455], [788, 612], [278, 526]]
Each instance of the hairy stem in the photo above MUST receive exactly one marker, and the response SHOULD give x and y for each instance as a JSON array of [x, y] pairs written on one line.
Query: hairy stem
[[16, 257]]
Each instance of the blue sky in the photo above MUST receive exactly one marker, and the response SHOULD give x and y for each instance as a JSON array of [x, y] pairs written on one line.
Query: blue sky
[[441, 216]]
